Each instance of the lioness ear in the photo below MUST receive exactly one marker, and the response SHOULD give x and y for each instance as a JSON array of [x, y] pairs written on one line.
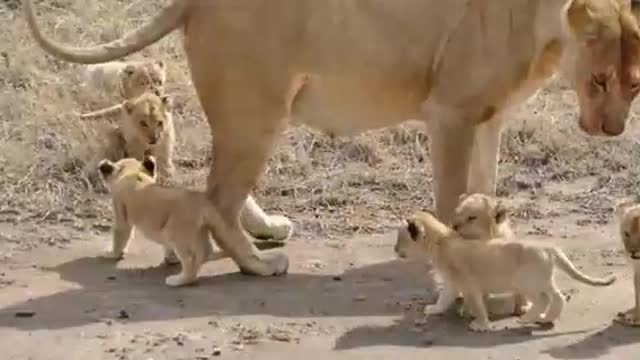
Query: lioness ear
[[149, 164], [501, 213], [582, 21], [106, 168], [415, 230]]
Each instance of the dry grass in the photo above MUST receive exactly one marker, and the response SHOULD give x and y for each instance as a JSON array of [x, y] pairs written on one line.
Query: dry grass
[[329, 186]]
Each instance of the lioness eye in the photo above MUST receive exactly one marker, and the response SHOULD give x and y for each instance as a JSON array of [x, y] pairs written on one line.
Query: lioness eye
[[143, 124], [471, 218], [599, 80]]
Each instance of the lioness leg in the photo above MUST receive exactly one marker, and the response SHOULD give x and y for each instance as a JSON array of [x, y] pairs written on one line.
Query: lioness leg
[[631, 317], [483, 170], [451, 140], [261, 225], [241, 149]]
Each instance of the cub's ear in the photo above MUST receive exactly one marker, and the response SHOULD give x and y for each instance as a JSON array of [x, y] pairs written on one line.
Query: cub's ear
[[166, 100], [128, 106], [622, 206], [149, 164], [414, 229], [128, 70], [105, 167], [501, 213], [462, 197], [160, 64]]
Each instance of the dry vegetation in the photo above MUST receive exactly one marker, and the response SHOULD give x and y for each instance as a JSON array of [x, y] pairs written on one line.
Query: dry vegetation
[[328, 186]]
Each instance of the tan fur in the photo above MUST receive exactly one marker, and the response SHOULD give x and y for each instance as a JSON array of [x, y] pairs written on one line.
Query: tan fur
[[492, 266], [483, 217], [458, 65], [145, 126], [127, 80], [180, 220], [628, 214]]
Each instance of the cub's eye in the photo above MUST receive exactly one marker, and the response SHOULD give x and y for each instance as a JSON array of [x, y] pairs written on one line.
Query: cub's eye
[[600, 81], [143, 124], [471, 218]]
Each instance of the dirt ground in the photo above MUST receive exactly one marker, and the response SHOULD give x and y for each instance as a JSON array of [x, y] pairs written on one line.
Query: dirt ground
[[346, 296]]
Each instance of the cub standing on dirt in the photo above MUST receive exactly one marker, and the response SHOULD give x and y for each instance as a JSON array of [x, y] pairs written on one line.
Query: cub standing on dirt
[[181, 220], [493, 266], [628, 214], [483, 217], [145, 126]]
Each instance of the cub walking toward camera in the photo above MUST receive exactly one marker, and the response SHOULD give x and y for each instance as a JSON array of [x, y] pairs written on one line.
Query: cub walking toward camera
[[145, 126], [179, 219], [128, 79], [493, 266], [628, 214]]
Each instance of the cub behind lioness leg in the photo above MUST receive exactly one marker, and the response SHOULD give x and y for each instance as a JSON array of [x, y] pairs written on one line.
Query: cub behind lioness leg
[[628, 214], [180, 220]]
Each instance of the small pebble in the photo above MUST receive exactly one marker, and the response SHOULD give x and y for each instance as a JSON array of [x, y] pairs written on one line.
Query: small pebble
[[337, 278], [216, 351], [25, 314], [123, 314]]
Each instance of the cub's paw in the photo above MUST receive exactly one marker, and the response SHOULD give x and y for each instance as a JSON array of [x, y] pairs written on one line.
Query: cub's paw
[[112, 255], [628, 318], [521, 309], [464, 313], [433, 310], [170, 259], [278, 228], [479, 326]]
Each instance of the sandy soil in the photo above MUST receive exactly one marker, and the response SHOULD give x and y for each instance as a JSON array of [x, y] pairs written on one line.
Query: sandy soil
[[346, 298]]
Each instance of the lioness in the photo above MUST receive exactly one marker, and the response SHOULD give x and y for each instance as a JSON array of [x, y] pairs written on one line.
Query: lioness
[[180, 220], [348, 66], [492, 266], [628, 214], [126, 79]]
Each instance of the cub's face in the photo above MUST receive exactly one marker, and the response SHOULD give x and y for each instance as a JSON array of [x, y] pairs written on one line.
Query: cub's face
[[148, 117], [138, 78], [629, 218], [478, 216], [127, 171], [413, 240]]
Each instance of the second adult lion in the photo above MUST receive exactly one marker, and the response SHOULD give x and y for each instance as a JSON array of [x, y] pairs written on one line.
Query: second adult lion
[[348, 66]]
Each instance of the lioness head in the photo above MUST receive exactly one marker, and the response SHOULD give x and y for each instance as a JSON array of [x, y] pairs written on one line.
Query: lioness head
[[128, 172], [605, 66], [147, 117], [140, 77], [419, 235], [479, 216], [628, 214]]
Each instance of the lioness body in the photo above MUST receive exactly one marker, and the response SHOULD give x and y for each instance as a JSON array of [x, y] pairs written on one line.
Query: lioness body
[[348, 66], [181, 220], [628, 214], [493, 266]]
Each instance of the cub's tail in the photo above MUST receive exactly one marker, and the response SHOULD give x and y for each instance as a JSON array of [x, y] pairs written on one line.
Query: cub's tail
[[563, 262]]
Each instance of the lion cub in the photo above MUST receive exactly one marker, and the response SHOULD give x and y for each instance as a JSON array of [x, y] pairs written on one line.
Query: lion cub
[[145, 126], [482, 217], [628, 215], [181, 220], [127, 79], [492, 266]]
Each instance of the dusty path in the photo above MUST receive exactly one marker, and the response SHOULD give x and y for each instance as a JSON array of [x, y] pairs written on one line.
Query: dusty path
[[343, 299]]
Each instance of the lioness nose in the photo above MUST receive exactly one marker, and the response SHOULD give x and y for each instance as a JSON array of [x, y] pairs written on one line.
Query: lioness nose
[[613, 128]]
